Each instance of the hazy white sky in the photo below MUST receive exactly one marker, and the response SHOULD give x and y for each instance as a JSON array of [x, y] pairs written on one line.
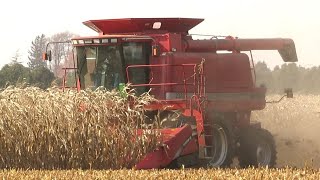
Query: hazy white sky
[[21, 21]]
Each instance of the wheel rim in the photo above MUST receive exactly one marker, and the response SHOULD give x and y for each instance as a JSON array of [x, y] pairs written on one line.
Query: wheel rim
[[263, 154], [220, 146]]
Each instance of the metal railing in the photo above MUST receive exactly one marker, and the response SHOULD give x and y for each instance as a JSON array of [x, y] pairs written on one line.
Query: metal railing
[[64, 80], [198, 83], [183, 82]]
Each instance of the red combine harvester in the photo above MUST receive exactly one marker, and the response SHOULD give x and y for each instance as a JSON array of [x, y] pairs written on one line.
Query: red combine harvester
[[206, 88]]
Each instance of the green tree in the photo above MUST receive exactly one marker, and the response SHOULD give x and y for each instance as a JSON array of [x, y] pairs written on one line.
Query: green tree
[[275, 76], [41, 77], [263, 75], [38, 46], [17, 74], [12, 74], [289, 76], [311, 79]]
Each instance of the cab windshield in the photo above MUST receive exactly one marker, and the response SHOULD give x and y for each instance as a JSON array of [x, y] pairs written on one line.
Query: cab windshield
[[106, 65]]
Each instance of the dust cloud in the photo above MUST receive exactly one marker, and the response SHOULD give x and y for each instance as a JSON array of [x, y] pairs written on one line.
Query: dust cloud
[[295, 125]]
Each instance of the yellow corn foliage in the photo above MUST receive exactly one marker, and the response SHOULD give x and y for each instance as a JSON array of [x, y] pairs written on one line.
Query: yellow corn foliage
[[201, 174], [63, 130]]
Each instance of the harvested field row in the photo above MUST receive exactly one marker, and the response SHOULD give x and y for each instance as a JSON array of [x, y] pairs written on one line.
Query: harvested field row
[[202, 174], [295, 124]]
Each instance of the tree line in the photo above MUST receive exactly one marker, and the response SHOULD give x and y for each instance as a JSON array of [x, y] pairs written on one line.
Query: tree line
[[289, 75], [41, 73], [38, 72]]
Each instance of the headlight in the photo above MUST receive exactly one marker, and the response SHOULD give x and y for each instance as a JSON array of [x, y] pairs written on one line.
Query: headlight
[[96, 41], [105, 40], [81, 41], [88, 41], [114, 40], [74, 41]]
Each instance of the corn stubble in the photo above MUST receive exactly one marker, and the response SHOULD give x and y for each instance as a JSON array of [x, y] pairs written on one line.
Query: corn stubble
[[69, 130], [294, 123], [203, 174]]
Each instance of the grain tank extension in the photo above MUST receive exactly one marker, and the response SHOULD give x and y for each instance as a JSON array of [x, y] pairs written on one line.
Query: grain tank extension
[[206, 88]]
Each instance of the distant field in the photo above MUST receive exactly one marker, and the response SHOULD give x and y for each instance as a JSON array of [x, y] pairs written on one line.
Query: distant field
[[295, 123]]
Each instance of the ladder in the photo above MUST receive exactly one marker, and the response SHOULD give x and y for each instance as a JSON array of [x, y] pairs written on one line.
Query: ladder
[[207, 134], [208, 149]]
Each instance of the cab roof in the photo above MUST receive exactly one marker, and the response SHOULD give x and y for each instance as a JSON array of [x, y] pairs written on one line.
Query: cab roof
[[138, 25]]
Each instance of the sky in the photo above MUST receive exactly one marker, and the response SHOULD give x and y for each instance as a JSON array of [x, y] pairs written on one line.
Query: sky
[[21, 21]]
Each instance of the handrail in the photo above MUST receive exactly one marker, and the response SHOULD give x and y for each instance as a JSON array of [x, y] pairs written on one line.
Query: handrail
[[77, 86], [160, 84], [197, 100], [183, 82], [159, 65]]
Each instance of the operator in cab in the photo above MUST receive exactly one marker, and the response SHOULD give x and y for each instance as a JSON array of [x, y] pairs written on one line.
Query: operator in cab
[[108, 69]]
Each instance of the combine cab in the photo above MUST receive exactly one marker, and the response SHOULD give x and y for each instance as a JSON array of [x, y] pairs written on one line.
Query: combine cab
[[206, 88]]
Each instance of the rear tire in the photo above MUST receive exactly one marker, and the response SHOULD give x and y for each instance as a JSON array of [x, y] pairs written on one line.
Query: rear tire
[[257, 148]]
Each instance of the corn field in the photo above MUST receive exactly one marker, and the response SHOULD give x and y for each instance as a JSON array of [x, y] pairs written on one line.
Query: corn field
[[49, 130], [55, 130]]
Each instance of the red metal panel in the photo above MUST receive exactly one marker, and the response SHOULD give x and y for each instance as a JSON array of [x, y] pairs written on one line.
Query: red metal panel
[[199, 120], [229, 72], [237, 105], [132, 25], [190, 148], [173, 140], [175, 43], [169, 42]]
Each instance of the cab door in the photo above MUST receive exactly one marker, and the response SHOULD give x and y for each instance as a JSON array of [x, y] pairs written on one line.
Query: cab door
[[137, 53]]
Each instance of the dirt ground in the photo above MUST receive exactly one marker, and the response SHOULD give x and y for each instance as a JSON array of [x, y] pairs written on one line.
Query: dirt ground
[[295, 124]]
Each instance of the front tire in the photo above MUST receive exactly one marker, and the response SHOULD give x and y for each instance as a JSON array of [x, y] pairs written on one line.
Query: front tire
[[223, 145], [257, 148]]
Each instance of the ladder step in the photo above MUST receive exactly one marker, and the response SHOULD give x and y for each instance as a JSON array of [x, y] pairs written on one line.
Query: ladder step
[[207, 157], [193, 127], [207, 146], [207, 135], [69, 87], [194, 134]]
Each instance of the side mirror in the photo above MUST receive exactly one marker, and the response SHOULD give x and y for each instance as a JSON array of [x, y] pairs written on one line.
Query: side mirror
[[155, 50], [288, 92], [46, 56]]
